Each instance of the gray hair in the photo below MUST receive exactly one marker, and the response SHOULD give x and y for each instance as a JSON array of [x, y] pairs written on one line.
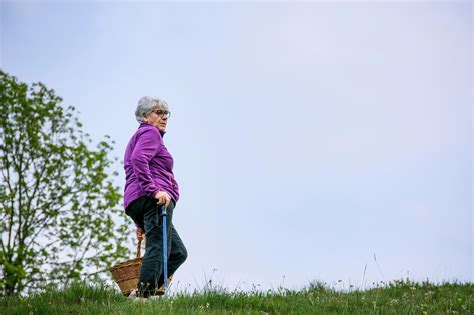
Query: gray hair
[[148, 104]]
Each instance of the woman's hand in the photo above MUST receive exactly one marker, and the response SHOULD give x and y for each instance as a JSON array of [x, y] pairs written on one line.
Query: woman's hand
[[162, 197], [140, 234]]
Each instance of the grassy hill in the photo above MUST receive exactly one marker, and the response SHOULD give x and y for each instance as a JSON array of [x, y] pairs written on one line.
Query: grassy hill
[[398, 297]]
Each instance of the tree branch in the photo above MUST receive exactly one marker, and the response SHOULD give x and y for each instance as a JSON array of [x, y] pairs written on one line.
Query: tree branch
[[37, 184]]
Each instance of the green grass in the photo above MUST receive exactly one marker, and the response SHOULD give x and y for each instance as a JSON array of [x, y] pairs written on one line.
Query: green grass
[[397, 297]]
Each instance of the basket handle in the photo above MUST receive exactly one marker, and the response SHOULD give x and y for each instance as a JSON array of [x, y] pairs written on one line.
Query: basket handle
[[139, 249]]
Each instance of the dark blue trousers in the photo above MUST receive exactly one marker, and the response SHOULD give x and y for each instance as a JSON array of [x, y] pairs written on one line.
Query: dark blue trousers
[[146, 214]]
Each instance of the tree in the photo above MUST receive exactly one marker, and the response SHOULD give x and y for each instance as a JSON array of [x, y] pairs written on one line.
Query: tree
[[59, 218]]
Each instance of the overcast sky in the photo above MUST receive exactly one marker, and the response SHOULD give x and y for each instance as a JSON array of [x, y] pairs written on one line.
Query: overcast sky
[[310, 140]]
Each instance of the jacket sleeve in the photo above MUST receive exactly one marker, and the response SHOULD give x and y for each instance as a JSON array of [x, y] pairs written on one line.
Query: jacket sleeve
[[145, 149]]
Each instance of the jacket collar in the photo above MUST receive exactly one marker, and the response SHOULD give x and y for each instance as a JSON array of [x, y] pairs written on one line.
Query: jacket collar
[[144, 123]]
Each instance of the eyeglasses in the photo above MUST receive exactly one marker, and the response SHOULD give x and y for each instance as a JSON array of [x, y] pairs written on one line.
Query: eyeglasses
[[162, 113]]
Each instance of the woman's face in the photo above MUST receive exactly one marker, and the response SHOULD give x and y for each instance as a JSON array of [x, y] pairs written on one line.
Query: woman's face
[[158, 118]]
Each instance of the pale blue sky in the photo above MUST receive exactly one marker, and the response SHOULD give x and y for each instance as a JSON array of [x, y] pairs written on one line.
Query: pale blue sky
[[307, 137]]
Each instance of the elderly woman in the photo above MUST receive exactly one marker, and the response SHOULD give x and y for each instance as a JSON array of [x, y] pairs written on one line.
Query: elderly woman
[[149, 184]]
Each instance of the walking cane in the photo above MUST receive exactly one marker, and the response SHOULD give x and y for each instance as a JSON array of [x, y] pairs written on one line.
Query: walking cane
[[165, 251]]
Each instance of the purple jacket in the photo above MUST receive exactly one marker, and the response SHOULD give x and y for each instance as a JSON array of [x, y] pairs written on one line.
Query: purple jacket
[[148, 166]]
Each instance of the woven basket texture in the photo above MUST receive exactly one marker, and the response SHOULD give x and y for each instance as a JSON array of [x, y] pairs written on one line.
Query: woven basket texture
[[126, 274]]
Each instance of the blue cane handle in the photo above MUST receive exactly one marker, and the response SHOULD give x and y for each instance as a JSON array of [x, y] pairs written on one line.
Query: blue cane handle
[[163, 211]]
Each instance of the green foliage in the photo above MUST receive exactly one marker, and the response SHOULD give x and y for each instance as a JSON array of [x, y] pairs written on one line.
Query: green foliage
[[400, 297], [58, 209]]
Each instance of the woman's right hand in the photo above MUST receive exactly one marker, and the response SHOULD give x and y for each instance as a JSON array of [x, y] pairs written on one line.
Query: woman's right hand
[[162, 197], [140, 233]]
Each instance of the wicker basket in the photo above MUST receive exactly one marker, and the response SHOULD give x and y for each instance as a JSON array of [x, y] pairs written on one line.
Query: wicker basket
[[127, 273]]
